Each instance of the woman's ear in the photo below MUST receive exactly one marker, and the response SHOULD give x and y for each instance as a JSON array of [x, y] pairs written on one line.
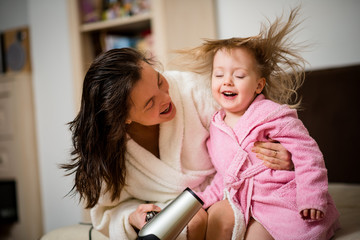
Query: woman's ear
[[261, 85], [128, 121]]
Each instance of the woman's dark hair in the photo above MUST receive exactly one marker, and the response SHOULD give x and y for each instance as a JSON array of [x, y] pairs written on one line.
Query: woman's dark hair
[[99, 130]]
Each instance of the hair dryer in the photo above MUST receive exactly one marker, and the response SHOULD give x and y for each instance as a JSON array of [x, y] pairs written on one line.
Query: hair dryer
[[169, 223]]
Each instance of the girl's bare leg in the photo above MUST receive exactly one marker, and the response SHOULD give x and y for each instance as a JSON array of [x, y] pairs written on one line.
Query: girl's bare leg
[[256, 231], [197, 226], [221, 221]]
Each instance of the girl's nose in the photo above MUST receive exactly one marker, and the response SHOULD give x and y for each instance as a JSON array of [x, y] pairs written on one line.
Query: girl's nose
[[228, 81]]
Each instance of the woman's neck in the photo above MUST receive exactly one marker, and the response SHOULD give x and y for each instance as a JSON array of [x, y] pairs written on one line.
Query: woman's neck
[[145, 136]]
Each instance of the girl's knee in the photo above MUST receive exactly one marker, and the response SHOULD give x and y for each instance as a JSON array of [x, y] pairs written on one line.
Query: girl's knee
[[256, 231], [200, 219], [222, 212], [197, 226], [221, 220]]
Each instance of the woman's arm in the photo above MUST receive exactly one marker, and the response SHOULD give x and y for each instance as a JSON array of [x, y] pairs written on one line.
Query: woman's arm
[[112, 218], [274, 155], [113, 221], [137, 218]]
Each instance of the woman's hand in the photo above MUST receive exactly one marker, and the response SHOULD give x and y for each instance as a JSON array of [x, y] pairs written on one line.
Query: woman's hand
[[137, 218], [274, 155]]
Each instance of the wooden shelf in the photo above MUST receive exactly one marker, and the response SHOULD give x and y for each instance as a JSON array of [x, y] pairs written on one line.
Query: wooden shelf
[[139, 21]]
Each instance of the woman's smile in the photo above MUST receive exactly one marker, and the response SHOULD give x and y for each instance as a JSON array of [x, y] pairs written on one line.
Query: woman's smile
[[167, 110], [151, 102]]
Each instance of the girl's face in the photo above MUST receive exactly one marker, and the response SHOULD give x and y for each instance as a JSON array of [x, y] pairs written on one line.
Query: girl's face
[[151, 103], [235, 80]]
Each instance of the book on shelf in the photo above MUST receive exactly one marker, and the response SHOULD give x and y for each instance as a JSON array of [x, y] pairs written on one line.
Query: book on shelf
[[97, 10], [143, 41]]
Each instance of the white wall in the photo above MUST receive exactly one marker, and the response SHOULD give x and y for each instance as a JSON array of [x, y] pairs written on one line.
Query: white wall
[[332, 26], [53, 99], [53, 91], [13, 14]]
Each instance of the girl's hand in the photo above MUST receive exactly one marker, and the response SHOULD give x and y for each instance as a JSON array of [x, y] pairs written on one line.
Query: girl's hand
[[312, 214], [137, 218], [274, 155]]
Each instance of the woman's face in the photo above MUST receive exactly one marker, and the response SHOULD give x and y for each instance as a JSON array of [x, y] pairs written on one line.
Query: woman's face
[[151, 103]]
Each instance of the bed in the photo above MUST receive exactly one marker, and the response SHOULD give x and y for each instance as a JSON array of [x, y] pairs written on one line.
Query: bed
[[346, 197], [331, 108]]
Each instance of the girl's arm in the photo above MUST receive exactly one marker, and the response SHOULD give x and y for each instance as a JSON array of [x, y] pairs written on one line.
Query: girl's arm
[[213, 192]]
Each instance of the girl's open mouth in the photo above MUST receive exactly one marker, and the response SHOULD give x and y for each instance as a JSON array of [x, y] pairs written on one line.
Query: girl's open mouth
[[229, 94]]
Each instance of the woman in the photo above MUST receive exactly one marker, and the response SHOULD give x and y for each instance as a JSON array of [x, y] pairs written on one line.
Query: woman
[[139, 141]]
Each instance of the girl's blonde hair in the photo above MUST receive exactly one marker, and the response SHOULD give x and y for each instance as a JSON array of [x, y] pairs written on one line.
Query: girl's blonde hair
[[278, 58]]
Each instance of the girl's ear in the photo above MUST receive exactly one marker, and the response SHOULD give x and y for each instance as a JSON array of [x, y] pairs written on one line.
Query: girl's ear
[[261, 85]]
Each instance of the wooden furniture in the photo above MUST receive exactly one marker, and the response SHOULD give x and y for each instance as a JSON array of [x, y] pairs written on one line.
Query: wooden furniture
[[174, 25], [18, 155]]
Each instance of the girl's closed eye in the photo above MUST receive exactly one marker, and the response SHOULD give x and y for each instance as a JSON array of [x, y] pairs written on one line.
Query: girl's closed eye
[[239, 75], [218, 74]]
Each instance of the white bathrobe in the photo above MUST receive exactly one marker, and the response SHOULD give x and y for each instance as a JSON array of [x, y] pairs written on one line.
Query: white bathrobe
[[184, 161]]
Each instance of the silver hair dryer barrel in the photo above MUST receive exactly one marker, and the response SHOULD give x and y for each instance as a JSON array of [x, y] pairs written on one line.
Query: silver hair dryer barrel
[[169, 223]]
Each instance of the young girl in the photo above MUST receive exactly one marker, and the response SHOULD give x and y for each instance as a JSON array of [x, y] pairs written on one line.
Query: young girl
[[254, 80]]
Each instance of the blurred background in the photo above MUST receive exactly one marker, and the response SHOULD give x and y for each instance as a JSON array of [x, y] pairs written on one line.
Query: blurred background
[[48, 44]]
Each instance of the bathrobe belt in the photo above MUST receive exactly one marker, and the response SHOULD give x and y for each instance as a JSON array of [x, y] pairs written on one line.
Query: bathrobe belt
[[233, 184]]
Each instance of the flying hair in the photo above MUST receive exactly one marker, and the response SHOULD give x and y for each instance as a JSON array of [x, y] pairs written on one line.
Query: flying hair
[[277, 56]]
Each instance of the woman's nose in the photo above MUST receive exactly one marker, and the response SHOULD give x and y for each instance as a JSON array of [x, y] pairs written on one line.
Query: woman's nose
[[165, 97]]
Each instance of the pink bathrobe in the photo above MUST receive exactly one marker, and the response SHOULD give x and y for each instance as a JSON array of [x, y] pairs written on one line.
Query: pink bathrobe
[[272, 197]]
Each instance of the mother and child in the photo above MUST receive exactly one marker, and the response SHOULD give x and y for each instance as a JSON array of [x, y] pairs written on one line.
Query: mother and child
[[142, 136]]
